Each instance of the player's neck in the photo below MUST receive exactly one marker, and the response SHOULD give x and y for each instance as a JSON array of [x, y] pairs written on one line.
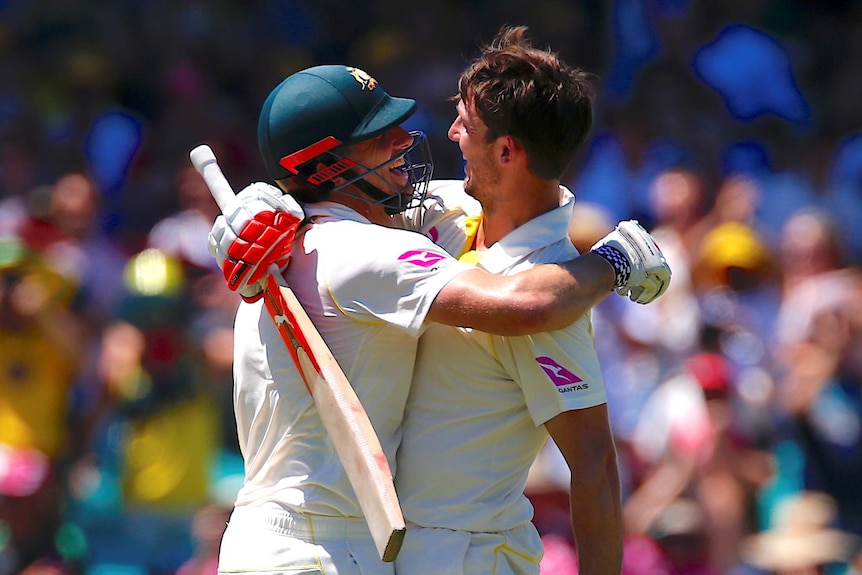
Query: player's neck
[[516, 209], [374, 213]]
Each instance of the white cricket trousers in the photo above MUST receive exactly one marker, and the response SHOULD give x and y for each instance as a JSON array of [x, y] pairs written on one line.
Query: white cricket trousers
[[438, 551], [273, 542]]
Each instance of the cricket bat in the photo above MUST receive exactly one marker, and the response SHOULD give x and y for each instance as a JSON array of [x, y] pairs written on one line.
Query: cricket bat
[[342, 414]]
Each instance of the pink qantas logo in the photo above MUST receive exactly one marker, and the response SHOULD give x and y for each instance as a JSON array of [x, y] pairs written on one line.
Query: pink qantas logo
[[421, 258], [433, 234], [558, 374]]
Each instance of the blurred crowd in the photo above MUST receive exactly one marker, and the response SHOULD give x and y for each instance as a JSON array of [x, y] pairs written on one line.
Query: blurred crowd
[[732, 130]]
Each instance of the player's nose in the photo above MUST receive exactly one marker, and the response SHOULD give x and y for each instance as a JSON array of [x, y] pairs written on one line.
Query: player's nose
[[401, 138], [454, 130]]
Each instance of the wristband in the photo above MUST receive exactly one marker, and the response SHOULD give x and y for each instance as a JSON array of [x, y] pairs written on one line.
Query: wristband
[[622, 266]]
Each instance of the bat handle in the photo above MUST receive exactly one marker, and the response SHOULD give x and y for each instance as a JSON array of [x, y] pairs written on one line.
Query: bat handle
[[275, 272], [205, 162]]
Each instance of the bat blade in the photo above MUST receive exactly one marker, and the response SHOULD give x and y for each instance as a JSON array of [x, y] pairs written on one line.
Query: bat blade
[[343, 416], [341, 412]]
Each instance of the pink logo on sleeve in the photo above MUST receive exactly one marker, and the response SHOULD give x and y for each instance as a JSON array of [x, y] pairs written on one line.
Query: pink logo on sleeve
[[433, 234], [558, 374], [421, 258]]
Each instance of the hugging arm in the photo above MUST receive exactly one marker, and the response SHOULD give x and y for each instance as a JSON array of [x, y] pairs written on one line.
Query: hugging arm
[[547, 297], [552, 296], [543, 298]]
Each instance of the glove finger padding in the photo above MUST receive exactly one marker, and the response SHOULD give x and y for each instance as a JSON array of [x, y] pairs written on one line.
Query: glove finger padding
[[641, 272], [216, 238], [221, 237], [259, 244], [256, 231], [650, 289]]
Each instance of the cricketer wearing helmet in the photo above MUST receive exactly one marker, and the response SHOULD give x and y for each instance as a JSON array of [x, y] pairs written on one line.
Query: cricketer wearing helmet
[[331, 138]]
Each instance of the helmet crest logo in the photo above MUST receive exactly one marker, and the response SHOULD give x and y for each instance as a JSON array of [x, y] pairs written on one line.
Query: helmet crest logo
[[363, 78]]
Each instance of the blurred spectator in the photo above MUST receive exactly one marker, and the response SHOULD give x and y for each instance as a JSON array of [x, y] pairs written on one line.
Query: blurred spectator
[[678, 200], [16, 180], [207, 530], [735, 277], [820, 399], [782, 185], [802, 539], [40, 346], [732, 255], [183, 236], [737, 200], [184, 233], [682, 535], [639, 344], [63, 224], [814, 274], [739, 294], [688, 445], [157, 433]]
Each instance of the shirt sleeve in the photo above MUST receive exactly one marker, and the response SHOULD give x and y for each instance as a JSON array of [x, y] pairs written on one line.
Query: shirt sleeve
[[444, 216], [558, 371], [389, 275]]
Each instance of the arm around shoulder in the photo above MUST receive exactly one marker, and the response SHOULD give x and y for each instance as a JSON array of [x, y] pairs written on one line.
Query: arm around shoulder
[[552, 296], [544, 298]]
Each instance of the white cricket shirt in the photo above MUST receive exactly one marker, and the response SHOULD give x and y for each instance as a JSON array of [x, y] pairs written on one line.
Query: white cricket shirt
[[476, 409], [367, 288]]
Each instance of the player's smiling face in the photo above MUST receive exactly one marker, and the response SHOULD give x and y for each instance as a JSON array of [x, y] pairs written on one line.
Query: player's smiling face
[[471, 134], [380, 150]]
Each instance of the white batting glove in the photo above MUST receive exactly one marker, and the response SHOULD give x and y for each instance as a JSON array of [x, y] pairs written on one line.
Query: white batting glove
[[256, 231], [641, 272]]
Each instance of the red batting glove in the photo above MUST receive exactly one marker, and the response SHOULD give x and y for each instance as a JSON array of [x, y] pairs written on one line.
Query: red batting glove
[[257, 232]]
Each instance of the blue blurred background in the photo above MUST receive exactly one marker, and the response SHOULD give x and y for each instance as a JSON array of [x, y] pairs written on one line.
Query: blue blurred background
[[127, 88]]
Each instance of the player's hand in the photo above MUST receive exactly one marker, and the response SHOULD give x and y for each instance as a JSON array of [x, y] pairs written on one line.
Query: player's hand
[[641, 272], [255, 232]]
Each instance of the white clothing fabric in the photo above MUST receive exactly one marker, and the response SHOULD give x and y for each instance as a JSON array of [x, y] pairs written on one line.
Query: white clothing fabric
[[436, 551], [478, 402], [273, 542], [443, 216], [368, 289]]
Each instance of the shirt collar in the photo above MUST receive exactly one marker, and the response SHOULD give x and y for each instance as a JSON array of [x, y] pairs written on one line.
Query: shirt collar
[[540, 232]]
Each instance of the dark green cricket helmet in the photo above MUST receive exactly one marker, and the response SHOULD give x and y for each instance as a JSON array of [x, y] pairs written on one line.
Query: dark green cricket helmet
[[313, 113]]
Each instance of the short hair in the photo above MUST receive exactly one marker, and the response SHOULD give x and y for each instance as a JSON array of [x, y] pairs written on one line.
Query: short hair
[[533, 96]]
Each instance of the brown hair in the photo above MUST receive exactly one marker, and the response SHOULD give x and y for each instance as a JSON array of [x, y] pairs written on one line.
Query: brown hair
[[533, 96]]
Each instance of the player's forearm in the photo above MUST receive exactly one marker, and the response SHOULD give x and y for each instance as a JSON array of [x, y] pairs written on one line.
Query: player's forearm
[[564, 292], [597, 520], [544, 298]]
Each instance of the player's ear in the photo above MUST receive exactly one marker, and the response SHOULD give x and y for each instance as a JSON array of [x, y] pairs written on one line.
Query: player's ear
[[500, 150], [304, 190], [507, 149]]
